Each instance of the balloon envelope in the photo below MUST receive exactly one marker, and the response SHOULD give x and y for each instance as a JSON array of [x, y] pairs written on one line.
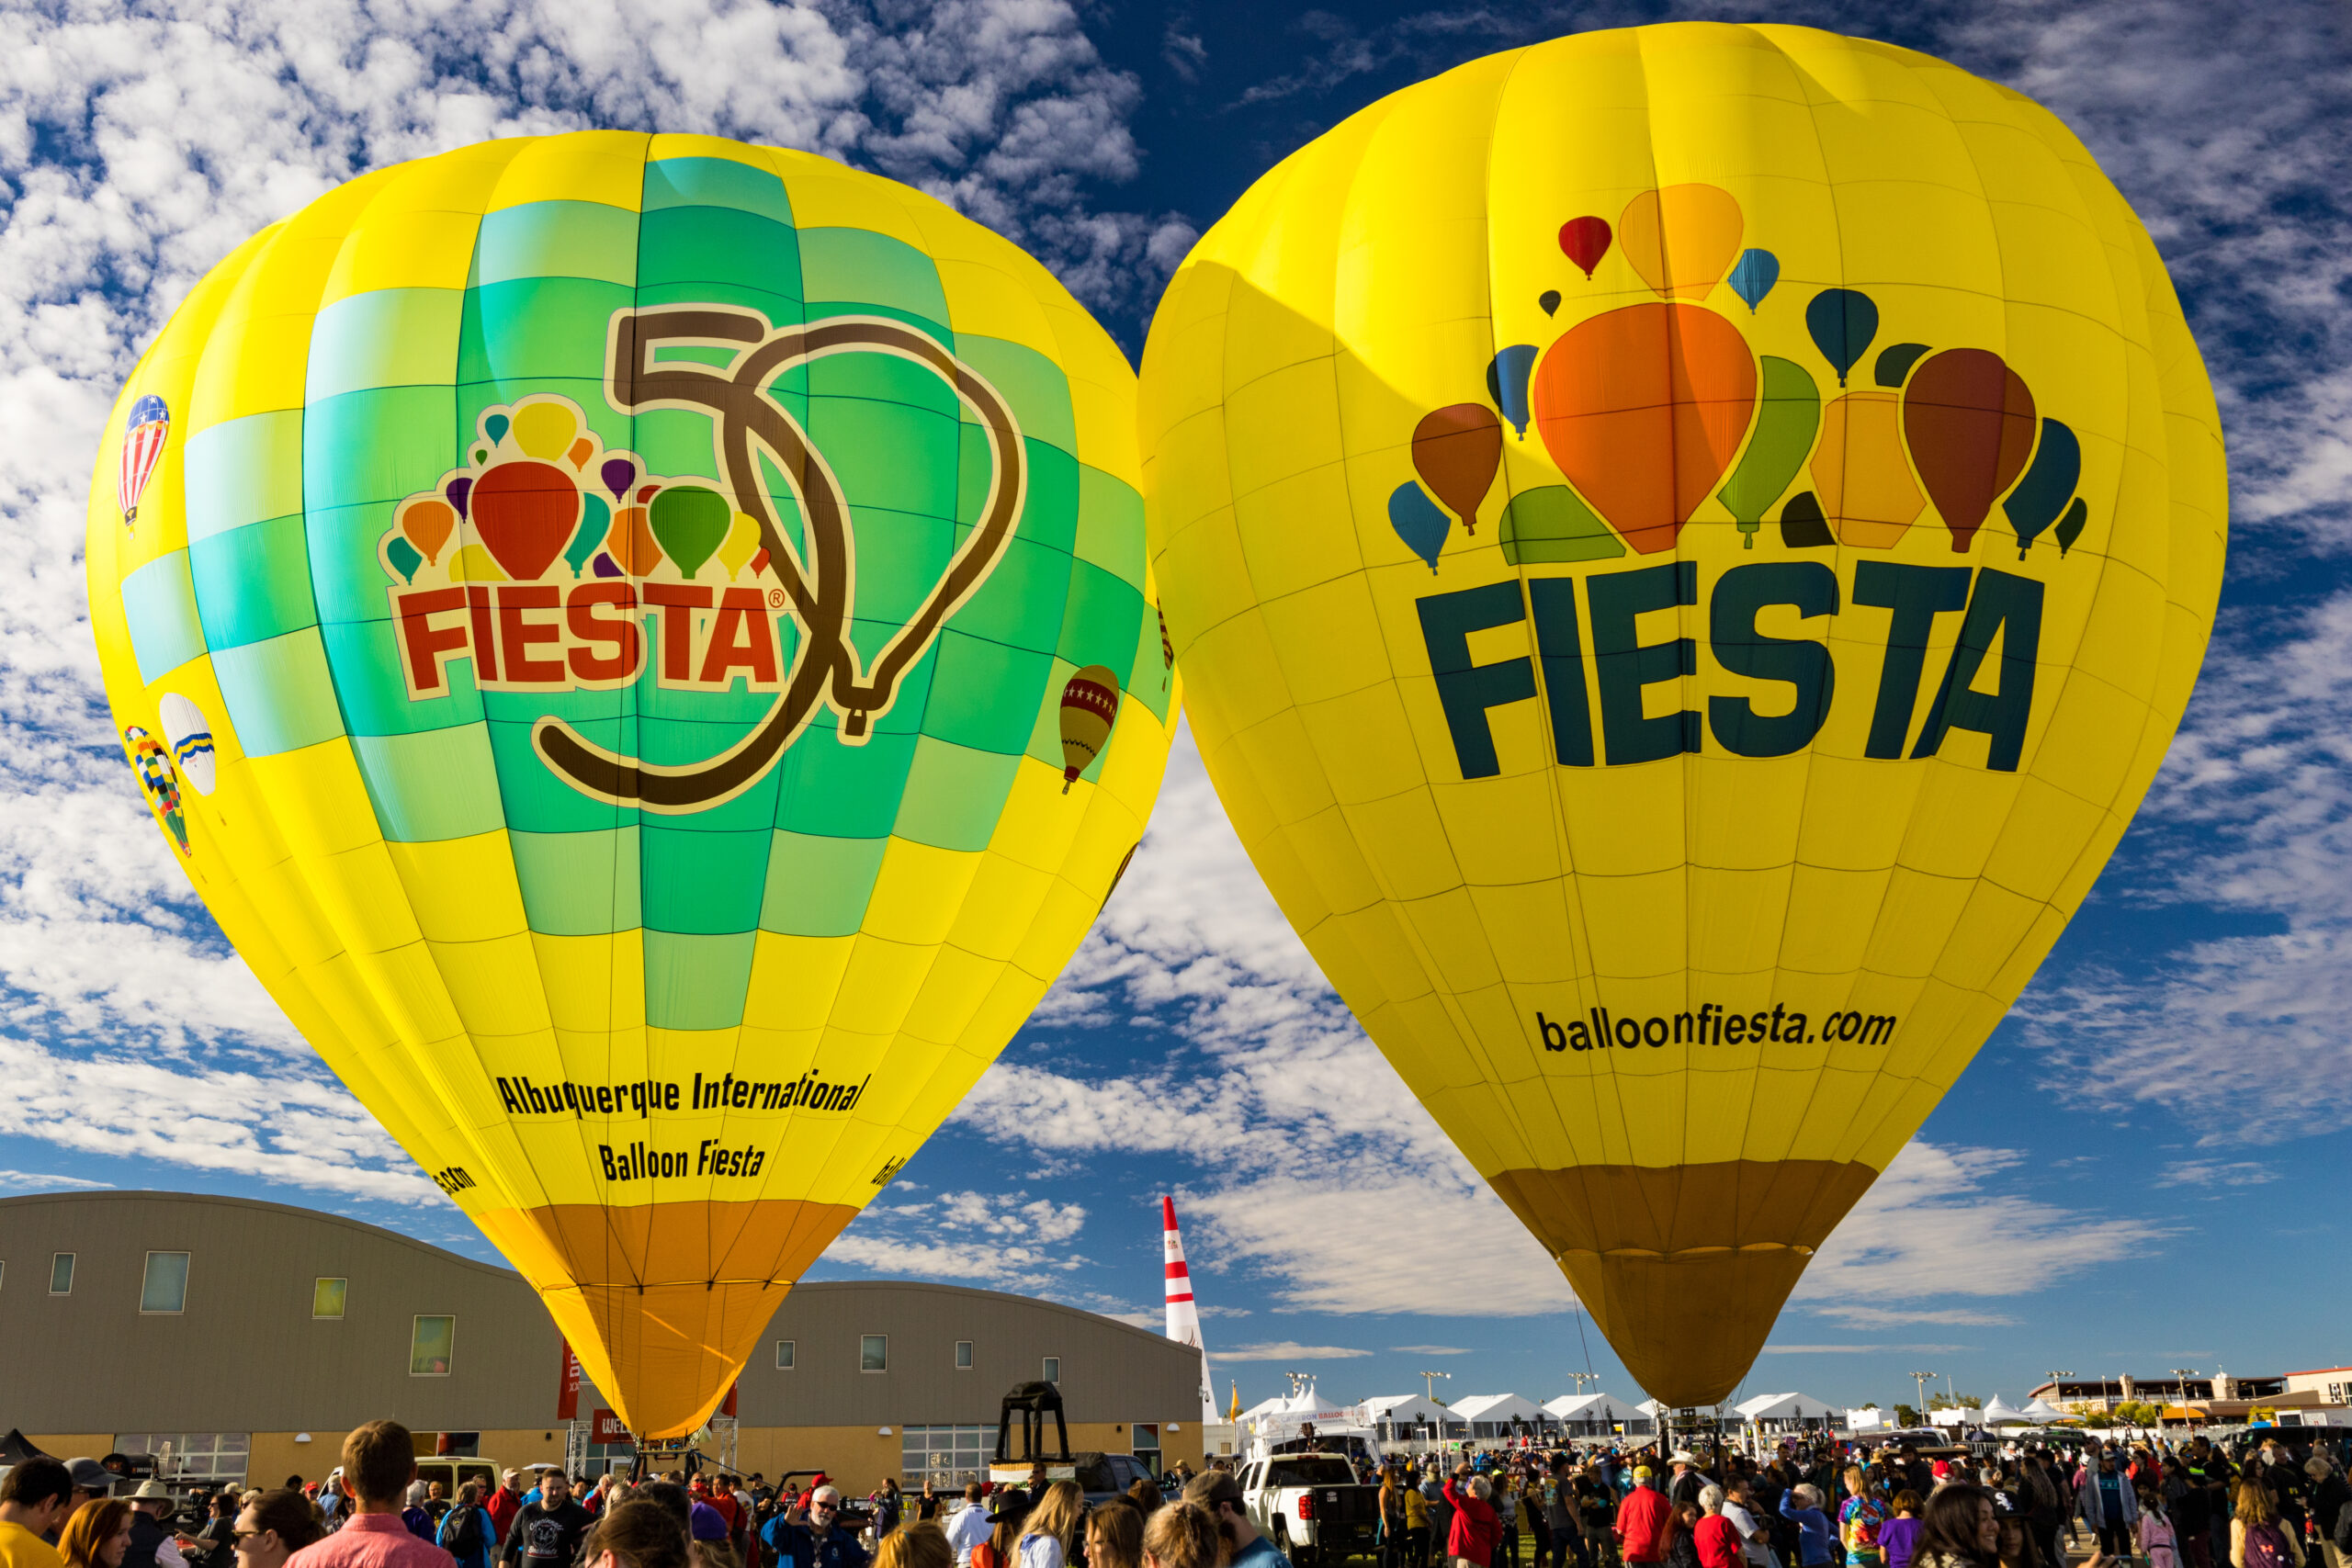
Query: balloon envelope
[[660, 911], [1678, 877]]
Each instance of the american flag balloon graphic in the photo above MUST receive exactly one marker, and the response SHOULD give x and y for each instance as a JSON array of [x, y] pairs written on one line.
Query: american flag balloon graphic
[[149, 427]]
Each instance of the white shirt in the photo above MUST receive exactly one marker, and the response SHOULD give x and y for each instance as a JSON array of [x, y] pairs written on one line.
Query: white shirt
[[1040, 1551], [967, 1528], [1760, 1554]]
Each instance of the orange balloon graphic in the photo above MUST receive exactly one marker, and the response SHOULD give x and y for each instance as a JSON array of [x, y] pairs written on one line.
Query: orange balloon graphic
[[629, 542], [428, 524], [1456, 451], [1864, 481], [1682, 238], [1643, 408]]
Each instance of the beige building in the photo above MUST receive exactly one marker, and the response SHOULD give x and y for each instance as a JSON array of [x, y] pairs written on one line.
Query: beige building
[[250, 1336]]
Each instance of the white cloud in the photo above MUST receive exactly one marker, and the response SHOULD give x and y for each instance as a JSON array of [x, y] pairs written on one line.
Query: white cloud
[[2216, 1173], [38, 1181], [1861, 1349], [1290, 1350], [1431, 1349]]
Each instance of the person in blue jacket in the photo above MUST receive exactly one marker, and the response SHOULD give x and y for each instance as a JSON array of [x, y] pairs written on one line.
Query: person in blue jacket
[[1817, 1539]]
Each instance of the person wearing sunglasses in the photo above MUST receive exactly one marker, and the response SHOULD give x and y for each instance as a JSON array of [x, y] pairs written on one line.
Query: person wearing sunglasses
[[823, 1541], [273, 1526]]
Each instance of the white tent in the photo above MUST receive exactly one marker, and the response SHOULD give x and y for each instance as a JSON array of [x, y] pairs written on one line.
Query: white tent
[[1596, 1414], [1997, 1414], [2042, 1410], [1866, 1420], [1402, 1413], [1789, 1409], [1651, 1409], [1491, 1415]]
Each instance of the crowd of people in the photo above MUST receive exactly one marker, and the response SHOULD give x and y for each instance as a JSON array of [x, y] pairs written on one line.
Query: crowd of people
[[2153, 1505]]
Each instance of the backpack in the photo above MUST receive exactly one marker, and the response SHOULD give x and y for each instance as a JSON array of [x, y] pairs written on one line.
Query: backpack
[[2265, 1548], [460, 1535]]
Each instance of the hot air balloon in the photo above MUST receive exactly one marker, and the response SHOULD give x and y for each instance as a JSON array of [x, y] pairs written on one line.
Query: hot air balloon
[[1679, 878], [146, 428], [660, 909]]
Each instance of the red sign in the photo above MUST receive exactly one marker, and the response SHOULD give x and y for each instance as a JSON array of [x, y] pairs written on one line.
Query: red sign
[[567, 1388], [607, 1430]]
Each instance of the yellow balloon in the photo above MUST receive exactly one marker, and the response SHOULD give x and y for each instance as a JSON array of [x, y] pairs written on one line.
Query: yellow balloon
[[659, 1021], [1679, 858], [743, 542]]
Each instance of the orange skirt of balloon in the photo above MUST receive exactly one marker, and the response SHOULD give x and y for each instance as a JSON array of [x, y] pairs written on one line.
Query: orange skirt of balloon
[[1643, 409]]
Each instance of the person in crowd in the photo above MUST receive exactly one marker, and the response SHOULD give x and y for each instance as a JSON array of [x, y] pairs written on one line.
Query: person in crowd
[[2013, 1540], [967, 1527], [152, 1545], [35, 1498], [1642, 1520], [465, 1532], [637, 1532], [214, 1544], [1052, 1528], [378, 1462], [2156, 1538], [822, 1542], [2108, 1505], [1476, 1529], [1220, 1495], [1114, 1537], [96, 1536], [549, 1532], [1682, 1537], [1959, 1529], [2258, 1538], [1801, 1506], [1392, 1518], [2329, 1494], [1741, 1512], [888, 1507], [1006, 1521], [1505, 1499], [1181, 1535], [334, 1500], [1860, 1520], [1898, 1539], [505, 1503], [709, 1544], [416, 1515], [92, 1480], [270, 1527], [1718, 1541], [1416, 1504]]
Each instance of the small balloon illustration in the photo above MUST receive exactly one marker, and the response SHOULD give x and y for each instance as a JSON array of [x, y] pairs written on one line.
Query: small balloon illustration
[[1456, 451], [152, 765], [428, 524], [545, 430], [1752, 275], [1801, 526], [1895, 362], [760, 561], [1507, 376], [1585, 241], [1090, 707], [1681, 238], [495, 428], [471, 563], [605, 566], [1789, 412], [1842, 321], [1549, 300], [690, 520], [1866, 491], [457, 490], [524, 512], [596, 517], [188, 735], [144, 435], [482, 456], [1969, 420], [581, 450], [741, 544], [619, 474], [404, 559], [630, 542], [2070, 527], [1643, 408], [2040, 496], [1420, 521]]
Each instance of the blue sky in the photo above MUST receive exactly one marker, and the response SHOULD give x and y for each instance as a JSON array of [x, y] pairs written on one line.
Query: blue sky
[[2143, 1170]]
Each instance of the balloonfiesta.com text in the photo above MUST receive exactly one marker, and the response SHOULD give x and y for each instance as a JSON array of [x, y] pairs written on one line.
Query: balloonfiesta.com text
[[1713, 1025]]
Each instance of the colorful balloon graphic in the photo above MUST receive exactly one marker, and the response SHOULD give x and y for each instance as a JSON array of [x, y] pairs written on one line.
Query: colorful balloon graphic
[[1456, 451], [2043, 493], [1752, 275], [1968, 422], [1549, 301], [1585, 241], [659, 916], [1842, 321], [1507, 385], [146, 429], [188, 736], [1681, 238], [1642, 409], [1692, 924], [1895, 362]]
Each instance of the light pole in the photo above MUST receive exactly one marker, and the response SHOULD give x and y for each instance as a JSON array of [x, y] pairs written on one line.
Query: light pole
[[2184, 1374], [1429, 1384], [2054, 1389], [1923, 1380]]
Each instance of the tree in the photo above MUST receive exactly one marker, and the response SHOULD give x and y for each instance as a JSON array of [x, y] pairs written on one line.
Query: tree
[[1906, 1417], [1953, 1402]]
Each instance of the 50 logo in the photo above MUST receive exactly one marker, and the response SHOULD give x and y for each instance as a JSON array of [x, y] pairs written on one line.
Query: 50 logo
[[554, 564]]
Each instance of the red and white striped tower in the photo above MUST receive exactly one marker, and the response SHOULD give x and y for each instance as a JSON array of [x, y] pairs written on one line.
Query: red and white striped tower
[[1183, 1317]]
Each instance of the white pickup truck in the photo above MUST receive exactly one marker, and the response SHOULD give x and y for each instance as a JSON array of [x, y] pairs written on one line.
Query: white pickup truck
[[1312, 1507]]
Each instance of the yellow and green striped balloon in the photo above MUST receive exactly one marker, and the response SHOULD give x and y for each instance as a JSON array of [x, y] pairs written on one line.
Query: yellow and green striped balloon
[[598, 631]]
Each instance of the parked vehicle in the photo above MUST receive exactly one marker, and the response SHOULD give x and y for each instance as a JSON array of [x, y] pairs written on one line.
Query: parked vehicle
[[1311, 1506]]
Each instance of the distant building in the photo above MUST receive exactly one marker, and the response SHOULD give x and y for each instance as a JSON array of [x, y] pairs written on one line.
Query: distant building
[[251, 1337], [2099, 1396]]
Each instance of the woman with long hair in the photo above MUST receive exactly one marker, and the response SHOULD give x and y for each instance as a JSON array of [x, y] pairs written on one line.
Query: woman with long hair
[[2256, 1540], [923, 1544], [1860, 1520], [1010, 1519], [1053, 1526], [1182, 1535], [96, 1536], [1113, 1535], [1960, 1528], [638, 1533], [273, 1525]]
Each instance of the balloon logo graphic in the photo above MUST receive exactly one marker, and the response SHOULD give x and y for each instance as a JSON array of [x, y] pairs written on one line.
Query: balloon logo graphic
[[1642, 409], [189, 740], [1677, 1044], [1585, 241], [1549, 301], [1752, 275], [145, 430], [1418, 522], [1842, 321], [1090, 707], [1969, 419], [1507, 385], [1456, 451], [543, 650], [1681, 238]]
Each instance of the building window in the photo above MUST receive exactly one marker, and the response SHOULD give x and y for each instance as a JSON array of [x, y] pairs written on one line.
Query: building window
[[432, 1344], [874, 1353], [60, 1274], [192, 1456], [165, 1289], [950, 1458], [963, 1354], [327, 1297], [784, 1348], [1146, 1445], [1052, 1369]]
